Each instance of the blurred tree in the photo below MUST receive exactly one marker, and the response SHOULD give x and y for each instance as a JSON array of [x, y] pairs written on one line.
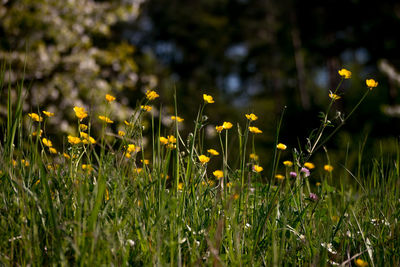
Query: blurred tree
[[74, 52]]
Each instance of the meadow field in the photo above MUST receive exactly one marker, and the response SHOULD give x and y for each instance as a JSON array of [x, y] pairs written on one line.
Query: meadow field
[[106, 197]]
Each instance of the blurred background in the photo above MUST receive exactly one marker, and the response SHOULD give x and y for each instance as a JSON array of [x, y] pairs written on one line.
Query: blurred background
[[252, 55]]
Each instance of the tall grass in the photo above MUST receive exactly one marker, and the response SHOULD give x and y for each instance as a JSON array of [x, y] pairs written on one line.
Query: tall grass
[[101, 203]]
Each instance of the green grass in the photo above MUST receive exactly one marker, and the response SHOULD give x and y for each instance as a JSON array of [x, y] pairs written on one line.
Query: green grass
[[100, 207]]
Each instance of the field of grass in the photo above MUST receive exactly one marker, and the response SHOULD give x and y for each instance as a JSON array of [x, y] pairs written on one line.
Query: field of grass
[[100, 201]]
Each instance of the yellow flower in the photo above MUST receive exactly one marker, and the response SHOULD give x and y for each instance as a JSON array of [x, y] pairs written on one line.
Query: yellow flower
[[345, 73], [213, 152], [35, 117], [228, 184], [171, 146], [279, 176], [83, 127], [73, 140], [35, 133], [219, 128], [66, 156], [281, 146], [121, 133], [227, 125], [371, 83], [48, 114], [334, 96], [151, 95], [218, 174], [251, 117], [204, 159], [361, 263], [106, 119], [24, 162], [80, 113], [254, 130], [52, 150], [110, 98], [309, 165], [253, 156], [146, 108], [318, 184], [47, 142], [127, 123], [127, 155], [87, 167], [145, 162], [257, 168], [171, 139], [208, 99], [328, 168], [84, 135], [288, 163], [163, 140], [91, 140], [177, 118], [180, 186], [131, 148]]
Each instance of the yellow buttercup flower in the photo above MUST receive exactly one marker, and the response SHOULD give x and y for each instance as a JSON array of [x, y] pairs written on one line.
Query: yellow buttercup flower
[[288, 163], [345, 73], [106, 119], [213, 152], [73, 140], [87, 167], [309, 165], [279, 176], [177, 118], [204, 159], [334, 96], [371, 83], [127, 155], [47, 142], [80, 113], [52, 150], [219, 128], [253, 156], [110, 98], [180, 186], [227, 125], [218, 174], [83, 127], [84, 135], [163, 140], [171, 139], [37, 132], [151, 95], [131, 148], [281, 146], [145, 162], [35, 117], [66, 156], [251, 117], [121, 133], [146, 108], [257, 168], [254, 130], [328, 168], [24, 162], [48, 114], [361, 263], [208, 99]]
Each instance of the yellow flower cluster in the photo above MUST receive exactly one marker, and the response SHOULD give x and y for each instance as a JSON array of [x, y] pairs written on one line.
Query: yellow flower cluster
[[170, 141], [49, 144], [151, 95], [105, 119], [35, 117], [177, 118]]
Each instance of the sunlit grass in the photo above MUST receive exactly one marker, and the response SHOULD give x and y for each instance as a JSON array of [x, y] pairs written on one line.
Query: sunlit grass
[[123, 198]]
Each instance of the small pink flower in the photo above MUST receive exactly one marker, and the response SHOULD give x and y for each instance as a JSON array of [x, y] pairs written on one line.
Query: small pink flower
[[313, 197], [293, 174], [305, 171]]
